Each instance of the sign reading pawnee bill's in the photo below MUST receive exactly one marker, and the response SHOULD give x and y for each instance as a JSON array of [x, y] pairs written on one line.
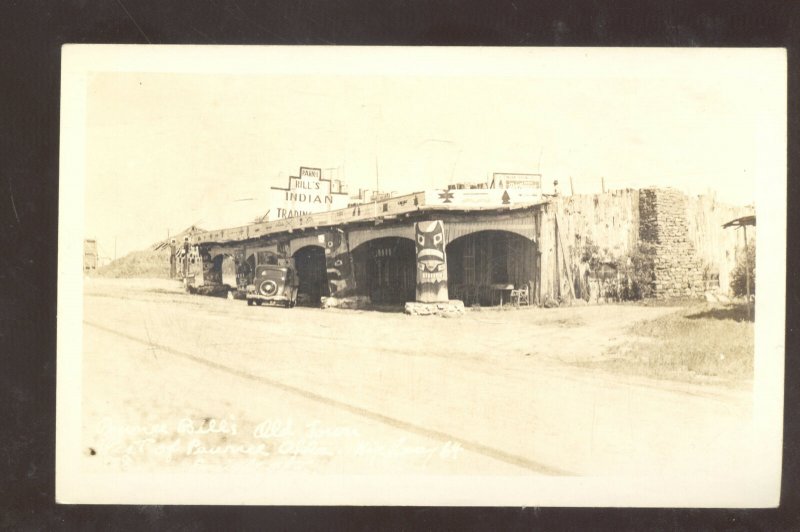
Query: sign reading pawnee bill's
[[307, 193]]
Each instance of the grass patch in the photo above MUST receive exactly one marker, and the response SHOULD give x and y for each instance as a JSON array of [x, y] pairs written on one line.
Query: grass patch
[[699, 343]]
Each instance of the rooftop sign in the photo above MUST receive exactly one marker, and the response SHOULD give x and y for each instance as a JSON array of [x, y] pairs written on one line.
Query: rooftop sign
[[500, 180], [306, 194], [483, 197]]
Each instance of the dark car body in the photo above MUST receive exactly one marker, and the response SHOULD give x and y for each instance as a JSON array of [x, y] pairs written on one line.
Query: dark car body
[[273, 284]]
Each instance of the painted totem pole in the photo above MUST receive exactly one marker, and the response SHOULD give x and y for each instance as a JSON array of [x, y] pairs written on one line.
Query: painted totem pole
[[339, 265], [431, 262]]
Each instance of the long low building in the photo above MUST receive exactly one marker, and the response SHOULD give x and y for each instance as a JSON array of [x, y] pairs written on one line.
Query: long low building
[[477, 244], [469, 245]]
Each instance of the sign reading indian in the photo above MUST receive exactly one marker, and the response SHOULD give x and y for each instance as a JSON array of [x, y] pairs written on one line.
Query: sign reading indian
[[306, 194]]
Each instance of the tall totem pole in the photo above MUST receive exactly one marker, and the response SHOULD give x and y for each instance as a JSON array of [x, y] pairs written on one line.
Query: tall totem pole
[[431, 262]]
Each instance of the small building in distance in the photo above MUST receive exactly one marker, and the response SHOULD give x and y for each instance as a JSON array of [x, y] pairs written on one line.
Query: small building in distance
[[90, 258]]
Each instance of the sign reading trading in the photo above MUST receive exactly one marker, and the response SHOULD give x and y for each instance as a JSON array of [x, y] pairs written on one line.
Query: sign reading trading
[[306, 194]]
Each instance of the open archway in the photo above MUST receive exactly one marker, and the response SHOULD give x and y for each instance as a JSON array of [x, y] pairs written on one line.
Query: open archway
[[222, 271], [482, 265], [309, 261], [385, 269]]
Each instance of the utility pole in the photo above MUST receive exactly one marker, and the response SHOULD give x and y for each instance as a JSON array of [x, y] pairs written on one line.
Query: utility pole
[[377, 188], [571, 188], [172, 270], [603, 183]]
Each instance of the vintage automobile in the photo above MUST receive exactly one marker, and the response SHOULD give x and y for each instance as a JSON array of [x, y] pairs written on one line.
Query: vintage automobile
[[273, 284]]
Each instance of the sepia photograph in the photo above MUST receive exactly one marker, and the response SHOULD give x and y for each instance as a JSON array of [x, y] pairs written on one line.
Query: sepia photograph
[[455, 276]]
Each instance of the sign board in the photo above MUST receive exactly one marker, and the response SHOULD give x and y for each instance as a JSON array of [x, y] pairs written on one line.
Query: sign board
[[487, 197], [500, 180], [306, 194]]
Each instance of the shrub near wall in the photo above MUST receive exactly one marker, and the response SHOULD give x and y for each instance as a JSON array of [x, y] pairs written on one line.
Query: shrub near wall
[[638, 273], [744, 261], [632, 275], [718, 248]]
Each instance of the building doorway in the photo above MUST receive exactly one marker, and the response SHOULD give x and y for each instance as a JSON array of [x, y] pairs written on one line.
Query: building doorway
[[482, 266], [222, 271], [385, 270], [309, 261]]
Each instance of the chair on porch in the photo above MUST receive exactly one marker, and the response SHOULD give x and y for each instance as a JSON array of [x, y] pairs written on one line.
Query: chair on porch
[[521, 295]]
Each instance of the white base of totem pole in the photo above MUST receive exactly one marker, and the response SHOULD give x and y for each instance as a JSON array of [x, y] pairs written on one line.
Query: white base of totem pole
[[350, 302], [454, 307]]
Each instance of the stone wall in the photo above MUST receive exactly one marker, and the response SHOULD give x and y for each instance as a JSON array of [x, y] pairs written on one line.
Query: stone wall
[[686, 234], [663, 223]]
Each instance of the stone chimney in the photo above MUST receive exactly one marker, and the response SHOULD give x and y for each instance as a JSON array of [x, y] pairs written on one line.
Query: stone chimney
[[664, 225]]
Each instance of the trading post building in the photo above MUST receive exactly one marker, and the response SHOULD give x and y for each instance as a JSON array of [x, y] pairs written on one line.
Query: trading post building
[[474, 244]]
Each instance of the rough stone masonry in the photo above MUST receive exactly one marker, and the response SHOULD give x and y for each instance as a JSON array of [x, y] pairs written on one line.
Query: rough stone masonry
[[663, 223]]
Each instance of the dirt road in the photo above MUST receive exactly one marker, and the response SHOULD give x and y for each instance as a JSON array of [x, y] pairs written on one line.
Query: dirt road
[[173, 381]]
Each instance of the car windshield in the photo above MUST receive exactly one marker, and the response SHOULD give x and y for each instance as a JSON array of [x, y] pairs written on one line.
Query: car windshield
[[276, 274]]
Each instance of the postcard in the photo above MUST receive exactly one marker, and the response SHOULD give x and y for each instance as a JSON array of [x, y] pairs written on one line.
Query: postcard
[[421, 276]]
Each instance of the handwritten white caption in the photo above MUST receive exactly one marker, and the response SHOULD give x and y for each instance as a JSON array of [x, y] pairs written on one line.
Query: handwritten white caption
[[274, 443]]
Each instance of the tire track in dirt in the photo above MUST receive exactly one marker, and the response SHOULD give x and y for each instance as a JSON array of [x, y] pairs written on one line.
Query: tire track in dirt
[[472, 446]]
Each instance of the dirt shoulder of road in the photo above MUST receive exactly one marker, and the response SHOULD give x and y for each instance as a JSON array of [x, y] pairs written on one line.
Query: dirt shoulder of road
[[525, 389], [682, 341]]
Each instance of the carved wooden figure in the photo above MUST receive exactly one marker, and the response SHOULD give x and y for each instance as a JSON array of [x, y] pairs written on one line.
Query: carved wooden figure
[[431, 262]]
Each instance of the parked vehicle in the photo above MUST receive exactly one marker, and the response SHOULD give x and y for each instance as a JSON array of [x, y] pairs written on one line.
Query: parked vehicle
[[273, 284]]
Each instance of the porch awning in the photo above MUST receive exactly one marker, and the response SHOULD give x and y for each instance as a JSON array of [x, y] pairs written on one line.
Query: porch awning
[[522, 225], [740, 222], [305, 240], [359, 236]]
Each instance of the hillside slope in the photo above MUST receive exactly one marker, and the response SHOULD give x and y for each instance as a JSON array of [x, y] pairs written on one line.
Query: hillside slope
[[143, 263]]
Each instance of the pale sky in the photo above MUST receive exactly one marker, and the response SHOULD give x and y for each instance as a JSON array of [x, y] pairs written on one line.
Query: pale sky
[[166, 150]]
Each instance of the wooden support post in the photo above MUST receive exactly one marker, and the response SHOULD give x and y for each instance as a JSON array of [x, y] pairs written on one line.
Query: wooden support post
[[603, 184], [571, 187], [172, 250]]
